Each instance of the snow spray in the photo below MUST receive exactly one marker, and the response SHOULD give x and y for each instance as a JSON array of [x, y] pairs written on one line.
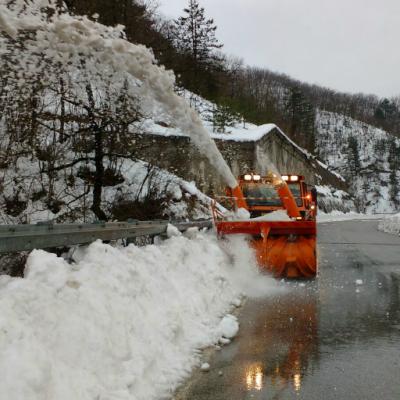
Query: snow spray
[[65, 34], [244, 272]]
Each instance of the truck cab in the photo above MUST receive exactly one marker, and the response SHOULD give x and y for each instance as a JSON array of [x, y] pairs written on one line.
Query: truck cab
[[261, 194]]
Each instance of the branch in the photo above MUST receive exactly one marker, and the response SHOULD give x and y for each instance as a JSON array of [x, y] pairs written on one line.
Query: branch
[[71, 164]]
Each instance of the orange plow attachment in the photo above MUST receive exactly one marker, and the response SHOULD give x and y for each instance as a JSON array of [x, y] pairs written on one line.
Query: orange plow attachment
[[285, 248]]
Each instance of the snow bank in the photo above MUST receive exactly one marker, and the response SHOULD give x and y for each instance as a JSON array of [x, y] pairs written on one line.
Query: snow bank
[[390, 224], [120, 323], [332, 199], [337, 216]]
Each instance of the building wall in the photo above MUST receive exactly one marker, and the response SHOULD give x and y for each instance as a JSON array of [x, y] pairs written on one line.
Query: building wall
[[179, 156]]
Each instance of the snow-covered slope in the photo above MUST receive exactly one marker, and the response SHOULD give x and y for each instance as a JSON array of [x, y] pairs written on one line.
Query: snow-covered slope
[[139, 183], [124, 323], [331, 199], [364, 155]]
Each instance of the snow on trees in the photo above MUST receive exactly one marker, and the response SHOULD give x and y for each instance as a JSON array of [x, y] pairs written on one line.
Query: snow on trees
[[73, 91]]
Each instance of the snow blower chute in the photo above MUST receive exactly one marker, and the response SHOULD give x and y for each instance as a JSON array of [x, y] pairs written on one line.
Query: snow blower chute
[[285, 243]]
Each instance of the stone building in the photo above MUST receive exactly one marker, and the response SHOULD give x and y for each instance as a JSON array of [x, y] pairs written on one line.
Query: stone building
[[244, 151]]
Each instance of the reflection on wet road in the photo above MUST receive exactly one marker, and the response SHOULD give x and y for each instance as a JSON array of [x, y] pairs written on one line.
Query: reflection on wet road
[[335, 338]]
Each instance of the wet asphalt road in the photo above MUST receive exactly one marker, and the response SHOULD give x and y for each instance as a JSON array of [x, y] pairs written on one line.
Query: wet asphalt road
[[327, 339]]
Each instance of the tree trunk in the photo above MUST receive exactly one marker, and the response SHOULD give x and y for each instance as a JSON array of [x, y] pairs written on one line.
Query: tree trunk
[[99, 174], [98, 159]]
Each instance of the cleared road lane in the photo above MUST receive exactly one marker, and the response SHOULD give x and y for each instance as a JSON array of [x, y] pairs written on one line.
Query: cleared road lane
[[335, 338]]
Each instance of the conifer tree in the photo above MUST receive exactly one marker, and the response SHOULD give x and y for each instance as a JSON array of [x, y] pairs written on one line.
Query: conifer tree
[[223, 117], [353, 156], [394, 164], [196, 41], [196, 34], [301, 115]]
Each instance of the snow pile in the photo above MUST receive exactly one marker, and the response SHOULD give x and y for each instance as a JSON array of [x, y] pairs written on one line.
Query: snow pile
[[338, 216], [331, 199], [242, 214], [64, 38], [279, 215], [228, 327], [119, 323], [390, 224]]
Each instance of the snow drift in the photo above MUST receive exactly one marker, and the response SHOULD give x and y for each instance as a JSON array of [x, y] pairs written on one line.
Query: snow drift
[[120, 323], [390, 224]]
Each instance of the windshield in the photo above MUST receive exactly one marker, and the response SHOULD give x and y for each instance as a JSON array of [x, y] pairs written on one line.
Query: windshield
[[265, 194], [296, 191], [261, 195]]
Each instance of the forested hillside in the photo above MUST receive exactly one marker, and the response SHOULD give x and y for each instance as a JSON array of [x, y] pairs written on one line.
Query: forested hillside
[[74, 108], [368, 157], [190, 46]]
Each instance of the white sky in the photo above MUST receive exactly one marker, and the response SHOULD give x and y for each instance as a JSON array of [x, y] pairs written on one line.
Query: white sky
[[348, 45]]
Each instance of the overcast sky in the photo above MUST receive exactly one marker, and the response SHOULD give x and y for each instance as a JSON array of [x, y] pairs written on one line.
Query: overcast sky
[[348, 45]]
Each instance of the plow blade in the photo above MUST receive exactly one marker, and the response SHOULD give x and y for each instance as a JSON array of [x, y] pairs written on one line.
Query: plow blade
[[287, 249]]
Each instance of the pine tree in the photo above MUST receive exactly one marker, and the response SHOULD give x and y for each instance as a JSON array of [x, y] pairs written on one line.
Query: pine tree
[[196, 34], [394, 188], [353, 156], [223, 117], [394, 164], [301, 114], [196, 42], [386, 109]]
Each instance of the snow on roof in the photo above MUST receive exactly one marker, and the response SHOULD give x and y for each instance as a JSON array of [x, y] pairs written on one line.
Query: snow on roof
[[251, 134]]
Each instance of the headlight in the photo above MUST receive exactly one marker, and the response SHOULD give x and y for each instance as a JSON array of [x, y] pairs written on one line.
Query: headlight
[[285, 178], [247, 177], [257, 177], [294, 178]]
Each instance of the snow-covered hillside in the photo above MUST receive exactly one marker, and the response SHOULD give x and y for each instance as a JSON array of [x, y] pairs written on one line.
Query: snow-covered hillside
[[142, 191], [368, 157]]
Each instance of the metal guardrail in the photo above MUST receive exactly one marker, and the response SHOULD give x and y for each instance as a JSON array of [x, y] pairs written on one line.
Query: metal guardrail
[[15, 238]]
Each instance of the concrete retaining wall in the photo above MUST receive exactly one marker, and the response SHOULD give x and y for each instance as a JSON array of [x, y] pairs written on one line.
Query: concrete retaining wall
[[178, 155]]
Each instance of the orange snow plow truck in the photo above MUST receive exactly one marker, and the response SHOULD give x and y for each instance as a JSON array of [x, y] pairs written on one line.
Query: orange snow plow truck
[[282, 223]]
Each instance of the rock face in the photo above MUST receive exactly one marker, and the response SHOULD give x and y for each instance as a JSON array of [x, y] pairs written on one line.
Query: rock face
[[179, 156]]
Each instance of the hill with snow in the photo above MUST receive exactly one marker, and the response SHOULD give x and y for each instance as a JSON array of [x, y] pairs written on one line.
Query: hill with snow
[[368, 157]]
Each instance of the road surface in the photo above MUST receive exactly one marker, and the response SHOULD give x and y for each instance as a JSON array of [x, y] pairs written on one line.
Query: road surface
[[335, 338]]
